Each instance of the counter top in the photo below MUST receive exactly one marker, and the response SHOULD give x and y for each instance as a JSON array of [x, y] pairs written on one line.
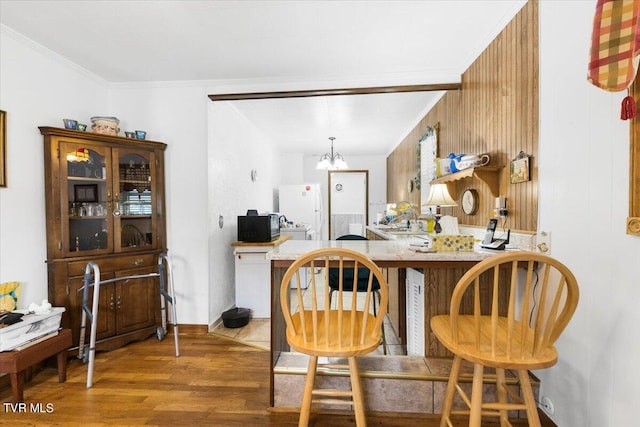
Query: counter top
[[520, 240], [376, 250], [280, 240]]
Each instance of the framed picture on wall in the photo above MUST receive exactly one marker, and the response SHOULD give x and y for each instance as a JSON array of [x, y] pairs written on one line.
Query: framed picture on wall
[[86, 192], [428, 154], [520, 171]]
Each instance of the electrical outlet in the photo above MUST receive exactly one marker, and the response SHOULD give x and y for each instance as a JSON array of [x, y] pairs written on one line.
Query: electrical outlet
[[543, 242], [547, 405], [501, 207]]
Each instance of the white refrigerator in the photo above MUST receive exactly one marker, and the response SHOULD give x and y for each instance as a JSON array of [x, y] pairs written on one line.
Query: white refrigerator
[[302, 204]]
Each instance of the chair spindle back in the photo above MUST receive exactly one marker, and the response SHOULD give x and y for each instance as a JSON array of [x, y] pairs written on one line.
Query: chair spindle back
[[542, 296], [314, 320]]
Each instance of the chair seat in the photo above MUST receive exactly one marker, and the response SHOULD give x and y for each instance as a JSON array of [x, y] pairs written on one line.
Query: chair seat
[[339, 345], [466, 347]]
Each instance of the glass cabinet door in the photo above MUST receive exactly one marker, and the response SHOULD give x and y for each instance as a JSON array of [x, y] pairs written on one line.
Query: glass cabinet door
[[135, 194], [86, 193]]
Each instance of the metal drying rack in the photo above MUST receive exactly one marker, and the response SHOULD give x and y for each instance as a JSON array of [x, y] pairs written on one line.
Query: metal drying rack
[[163, 274]]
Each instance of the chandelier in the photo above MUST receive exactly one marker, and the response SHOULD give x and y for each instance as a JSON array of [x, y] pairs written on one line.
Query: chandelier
[[332, 161]]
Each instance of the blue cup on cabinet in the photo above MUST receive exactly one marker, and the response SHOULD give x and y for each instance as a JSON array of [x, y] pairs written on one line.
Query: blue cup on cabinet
[[140, 134], [70, 124]]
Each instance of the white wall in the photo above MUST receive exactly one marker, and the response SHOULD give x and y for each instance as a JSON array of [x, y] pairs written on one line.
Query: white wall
[[236, 148], [176, 114], [294, 172], [37, 88], [583, 200]]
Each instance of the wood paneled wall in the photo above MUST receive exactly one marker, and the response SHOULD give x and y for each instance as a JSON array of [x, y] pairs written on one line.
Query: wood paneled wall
[[495, 112]]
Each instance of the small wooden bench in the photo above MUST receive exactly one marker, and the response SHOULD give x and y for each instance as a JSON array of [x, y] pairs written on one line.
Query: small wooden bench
[[16, 362]]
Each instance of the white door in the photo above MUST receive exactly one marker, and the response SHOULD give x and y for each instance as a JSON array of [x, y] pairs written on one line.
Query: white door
[[348, 202]]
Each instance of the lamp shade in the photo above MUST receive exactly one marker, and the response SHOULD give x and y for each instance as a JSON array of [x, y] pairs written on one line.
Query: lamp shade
[[324, 162], [439, 196], [339, 162]]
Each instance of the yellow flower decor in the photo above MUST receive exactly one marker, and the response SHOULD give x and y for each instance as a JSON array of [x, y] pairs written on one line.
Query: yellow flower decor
[[9, 294]]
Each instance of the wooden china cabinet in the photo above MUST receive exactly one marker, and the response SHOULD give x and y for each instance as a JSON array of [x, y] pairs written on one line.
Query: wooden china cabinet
[[105, 203]]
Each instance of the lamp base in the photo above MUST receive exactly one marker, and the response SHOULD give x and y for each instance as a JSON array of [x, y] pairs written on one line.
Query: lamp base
[[437, 227]]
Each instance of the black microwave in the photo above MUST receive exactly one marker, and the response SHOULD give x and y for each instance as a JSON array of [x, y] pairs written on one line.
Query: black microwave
[[258, 228]]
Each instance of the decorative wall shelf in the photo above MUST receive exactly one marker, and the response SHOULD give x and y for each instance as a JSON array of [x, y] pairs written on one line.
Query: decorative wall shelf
[[487, 174]]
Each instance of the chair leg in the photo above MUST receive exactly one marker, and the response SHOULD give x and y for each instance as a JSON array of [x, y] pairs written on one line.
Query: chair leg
[[375, 313], [356, 388], [501, 383], [529, 400], [475, 418], [451, 391], [305, 407]]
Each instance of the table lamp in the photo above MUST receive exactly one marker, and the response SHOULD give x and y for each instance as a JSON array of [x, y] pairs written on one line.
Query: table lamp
[[439, 196]]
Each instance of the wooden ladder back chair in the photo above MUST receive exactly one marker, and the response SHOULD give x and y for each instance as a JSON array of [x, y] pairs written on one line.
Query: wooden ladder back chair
[[347, 331], [540, 299], [132, 236]]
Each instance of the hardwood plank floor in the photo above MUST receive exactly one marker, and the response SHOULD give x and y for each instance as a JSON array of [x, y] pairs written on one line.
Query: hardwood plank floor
[[215, 382]]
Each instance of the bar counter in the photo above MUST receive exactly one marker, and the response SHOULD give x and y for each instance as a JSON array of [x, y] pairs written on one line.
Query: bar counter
[[441, 271], [382, 252]]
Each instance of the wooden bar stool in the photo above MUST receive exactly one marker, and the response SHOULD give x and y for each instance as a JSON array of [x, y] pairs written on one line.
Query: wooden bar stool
[[347, 331], [539, 307], [17, 362]]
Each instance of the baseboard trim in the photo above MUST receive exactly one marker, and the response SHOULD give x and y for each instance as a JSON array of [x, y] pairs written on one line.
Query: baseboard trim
[[189, 329]]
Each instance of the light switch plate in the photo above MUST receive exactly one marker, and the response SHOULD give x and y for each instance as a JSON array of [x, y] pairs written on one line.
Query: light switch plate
[[543, 242]]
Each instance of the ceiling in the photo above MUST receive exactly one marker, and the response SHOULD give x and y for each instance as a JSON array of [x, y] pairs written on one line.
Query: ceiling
[[304, 44]]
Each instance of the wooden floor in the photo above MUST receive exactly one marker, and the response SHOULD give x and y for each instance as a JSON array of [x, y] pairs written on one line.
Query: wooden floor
[[215, 382]]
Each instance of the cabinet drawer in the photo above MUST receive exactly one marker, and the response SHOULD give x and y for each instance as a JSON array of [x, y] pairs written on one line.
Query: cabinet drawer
[[77, 268]]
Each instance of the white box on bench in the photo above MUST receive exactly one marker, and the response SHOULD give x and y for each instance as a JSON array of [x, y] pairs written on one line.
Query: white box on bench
[[32, 326]]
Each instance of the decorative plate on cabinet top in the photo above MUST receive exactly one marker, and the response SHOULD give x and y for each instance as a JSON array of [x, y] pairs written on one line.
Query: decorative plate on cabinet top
[[105, 125]]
